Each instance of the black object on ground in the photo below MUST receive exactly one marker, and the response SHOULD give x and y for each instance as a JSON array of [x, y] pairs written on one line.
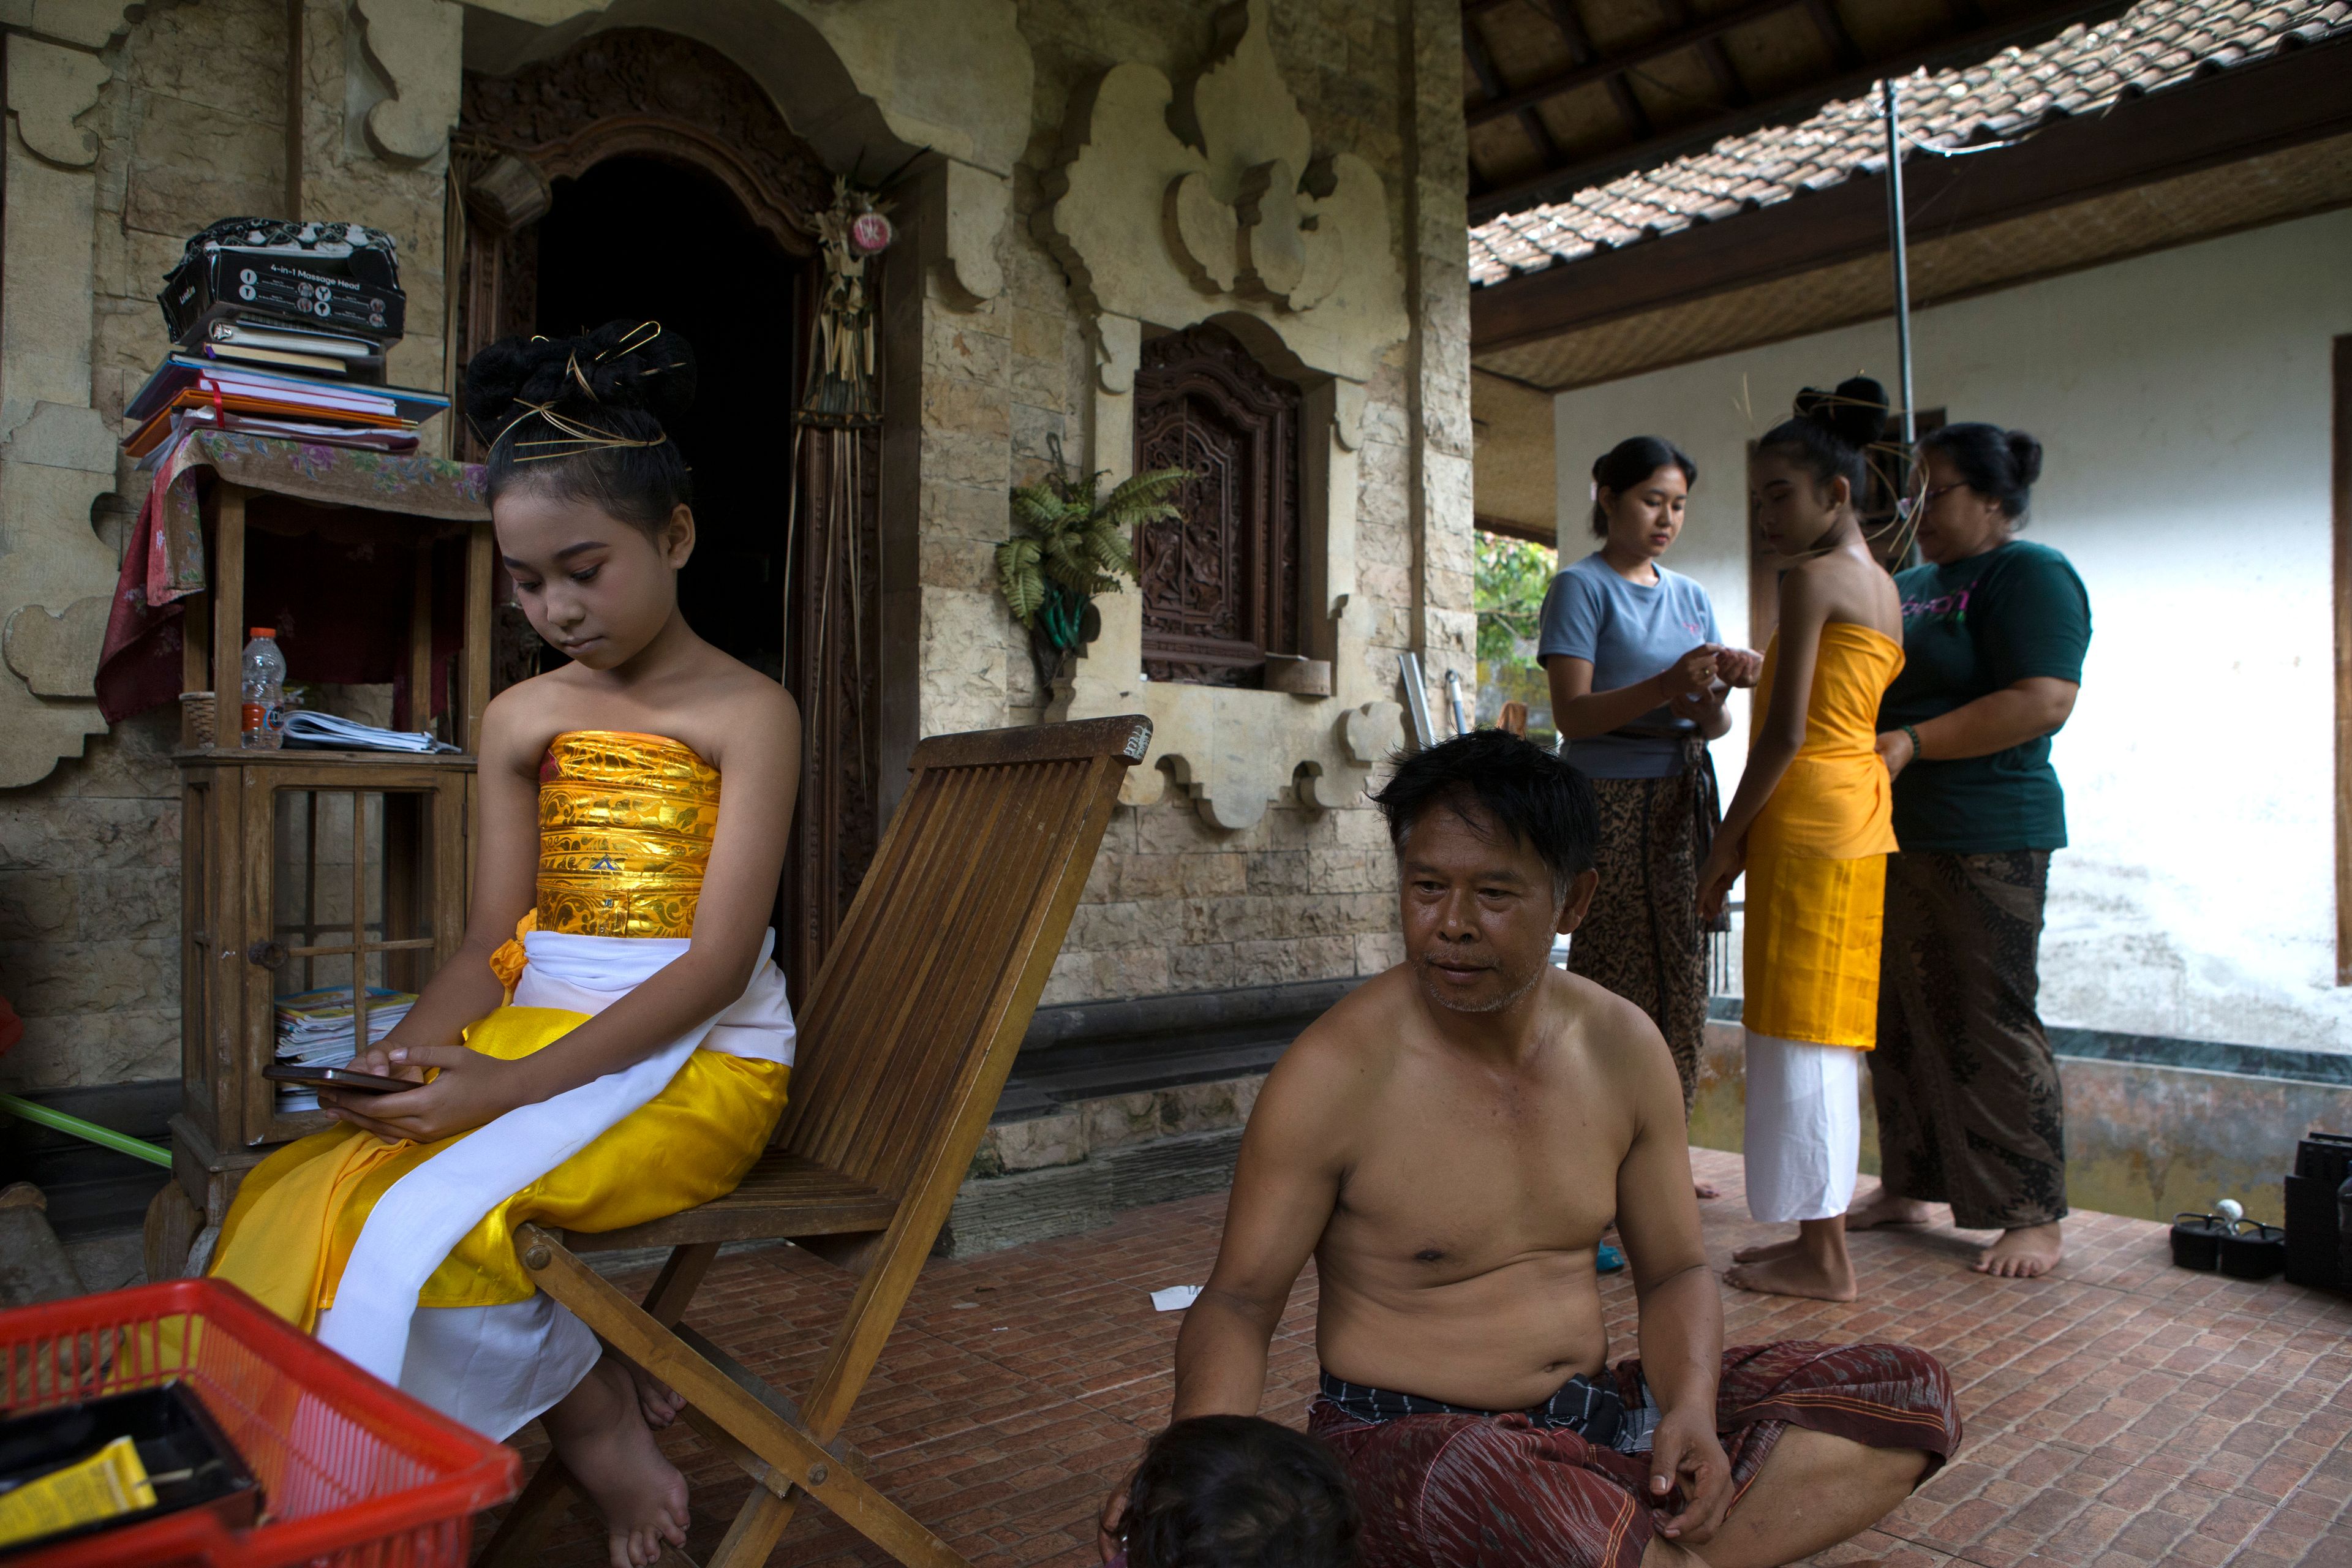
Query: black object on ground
[[2316, 1240], [2256, 1251], [188, 1460], [2197, 1240]]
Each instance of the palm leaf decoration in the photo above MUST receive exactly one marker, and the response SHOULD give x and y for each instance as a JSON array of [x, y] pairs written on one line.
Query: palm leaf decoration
[[1071, 542]]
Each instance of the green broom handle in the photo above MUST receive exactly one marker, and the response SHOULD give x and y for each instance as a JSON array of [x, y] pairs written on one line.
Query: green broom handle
[[121, 1143]]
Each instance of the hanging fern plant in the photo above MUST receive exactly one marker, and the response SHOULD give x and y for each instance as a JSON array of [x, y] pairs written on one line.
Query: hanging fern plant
[[1070, 544]]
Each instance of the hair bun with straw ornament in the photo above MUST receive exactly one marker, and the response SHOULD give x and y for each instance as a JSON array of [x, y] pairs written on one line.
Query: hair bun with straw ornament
[[1855, 413], [632, 365]]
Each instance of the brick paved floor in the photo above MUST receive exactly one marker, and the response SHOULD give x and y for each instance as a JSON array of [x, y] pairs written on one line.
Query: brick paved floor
[[2122, 1413]]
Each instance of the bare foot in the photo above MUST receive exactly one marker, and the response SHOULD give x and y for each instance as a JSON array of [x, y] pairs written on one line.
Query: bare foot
[[1814, 1264], [1703, 1191], [2026, 1253], [1765, 1252], [1796, 1274], [657, 1401], [605, 1444], [1885, 1208]]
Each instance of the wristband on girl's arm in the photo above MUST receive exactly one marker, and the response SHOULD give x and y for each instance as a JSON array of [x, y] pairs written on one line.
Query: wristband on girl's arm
[[1914, 733]]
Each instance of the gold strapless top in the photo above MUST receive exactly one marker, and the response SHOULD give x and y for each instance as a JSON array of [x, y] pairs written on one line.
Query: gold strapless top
[[1835, 802], [625, 828]]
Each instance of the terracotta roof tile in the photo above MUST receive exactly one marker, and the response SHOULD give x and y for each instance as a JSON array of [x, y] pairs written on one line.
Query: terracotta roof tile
[[2155, 46]]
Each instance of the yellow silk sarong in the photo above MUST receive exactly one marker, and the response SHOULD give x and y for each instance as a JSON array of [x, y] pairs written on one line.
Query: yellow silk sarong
[[626, 823], [1817, 855], [692, 1142]]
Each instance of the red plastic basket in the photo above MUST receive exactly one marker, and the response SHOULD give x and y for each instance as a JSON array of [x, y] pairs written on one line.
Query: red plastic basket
[[352, 1472]]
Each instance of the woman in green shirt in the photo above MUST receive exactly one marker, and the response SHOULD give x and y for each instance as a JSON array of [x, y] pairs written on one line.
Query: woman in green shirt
[[1994, 630]]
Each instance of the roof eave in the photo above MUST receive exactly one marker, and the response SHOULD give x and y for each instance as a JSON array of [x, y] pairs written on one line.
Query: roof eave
[[2297, 95]]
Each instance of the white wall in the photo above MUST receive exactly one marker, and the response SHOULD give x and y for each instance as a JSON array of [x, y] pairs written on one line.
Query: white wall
[[2182, 400]]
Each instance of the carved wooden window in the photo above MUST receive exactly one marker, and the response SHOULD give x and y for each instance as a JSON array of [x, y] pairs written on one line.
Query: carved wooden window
[[1220, 581]]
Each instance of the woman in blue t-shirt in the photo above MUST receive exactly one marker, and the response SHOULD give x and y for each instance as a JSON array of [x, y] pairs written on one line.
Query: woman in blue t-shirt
[[1994, 630], [1638, 674]]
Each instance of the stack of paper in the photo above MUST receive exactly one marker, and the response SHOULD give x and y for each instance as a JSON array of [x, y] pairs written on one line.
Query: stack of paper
[[184, 384], [347, 414], [399, 442], [319, 1029], [306, 730]]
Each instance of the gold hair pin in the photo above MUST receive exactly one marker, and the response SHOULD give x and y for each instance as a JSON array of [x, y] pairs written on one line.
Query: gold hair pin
[[575, 437], [630, 342]]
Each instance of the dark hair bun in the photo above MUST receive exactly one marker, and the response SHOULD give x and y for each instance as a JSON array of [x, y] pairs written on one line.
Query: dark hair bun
[[621, 365], [1629, 462], [2025, 454], [1855, 413]]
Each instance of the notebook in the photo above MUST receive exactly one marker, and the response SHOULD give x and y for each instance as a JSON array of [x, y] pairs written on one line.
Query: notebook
[[248, 389]]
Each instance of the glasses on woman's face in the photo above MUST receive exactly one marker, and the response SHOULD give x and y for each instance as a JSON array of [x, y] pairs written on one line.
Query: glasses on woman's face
[[1909, 506]]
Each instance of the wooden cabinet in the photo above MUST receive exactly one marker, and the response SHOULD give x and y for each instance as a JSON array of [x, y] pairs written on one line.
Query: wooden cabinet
[[301, 870], [304, 869]]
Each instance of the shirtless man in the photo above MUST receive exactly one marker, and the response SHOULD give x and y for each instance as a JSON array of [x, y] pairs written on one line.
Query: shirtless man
[[1449, 1143]]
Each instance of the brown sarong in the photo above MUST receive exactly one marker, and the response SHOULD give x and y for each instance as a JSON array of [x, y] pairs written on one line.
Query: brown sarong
[[1502, 1492], [1970, 1107], [1641, 937]]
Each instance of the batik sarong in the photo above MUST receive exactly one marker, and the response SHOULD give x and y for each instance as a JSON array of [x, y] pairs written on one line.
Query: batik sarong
[[1641, 938], [1970, 1111], [1500, 1490]]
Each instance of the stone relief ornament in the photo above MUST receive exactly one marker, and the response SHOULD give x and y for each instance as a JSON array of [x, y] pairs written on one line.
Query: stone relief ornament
[[48, 89], [1172, 209], [1246, 214], [56, 453], [414, 43]]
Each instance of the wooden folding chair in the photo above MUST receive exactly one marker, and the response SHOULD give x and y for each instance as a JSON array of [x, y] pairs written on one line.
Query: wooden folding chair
[[905, 1042]]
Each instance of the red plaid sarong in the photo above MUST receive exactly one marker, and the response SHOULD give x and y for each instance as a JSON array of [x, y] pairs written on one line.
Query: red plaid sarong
[[1497, 1491]]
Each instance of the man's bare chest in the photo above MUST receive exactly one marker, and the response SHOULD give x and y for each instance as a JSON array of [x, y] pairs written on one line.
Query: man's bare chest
[[1466, 1191]]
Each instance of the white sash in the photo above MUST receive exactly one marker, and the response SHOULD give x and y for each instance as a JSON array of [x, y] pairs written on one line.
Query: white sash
[[428, 1211]]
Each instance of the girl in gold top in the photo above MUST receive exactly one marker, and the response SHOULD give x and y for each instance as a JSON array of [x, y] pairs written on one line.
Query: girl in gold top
[[1812, 823], [625, 1056]]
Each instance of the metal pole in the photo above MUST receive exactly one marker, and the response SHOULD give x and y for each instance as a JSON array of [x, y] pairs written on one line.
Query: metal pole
[[1902, 256]]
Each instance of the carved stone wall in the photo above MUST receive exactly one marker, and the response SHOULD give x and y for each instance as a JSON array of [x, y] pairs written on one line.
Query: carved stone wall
[[1246, 853], [147, 123], [1292, 169]]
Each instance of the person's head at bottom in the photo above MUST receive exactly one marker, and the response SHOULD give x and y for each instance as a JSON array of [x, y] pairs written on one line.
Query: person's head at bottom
[[1235, 1491], [1494, 840]]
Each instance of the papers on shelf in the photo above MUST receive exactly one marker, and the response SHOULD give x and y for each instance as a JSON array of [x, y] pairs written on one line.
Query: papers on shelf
[[198, 380], [318, 1029], [154, 439], [304, 728]]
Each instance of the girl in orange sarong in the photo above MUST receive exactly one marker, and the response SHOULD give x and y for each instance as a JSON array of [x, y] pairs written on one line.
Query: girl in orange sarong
[[1813, 824], [624, 1058]]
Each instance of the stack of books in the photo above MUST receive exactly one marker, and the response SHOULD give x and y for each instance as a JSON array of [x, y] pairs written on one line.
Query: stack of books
[[318, 1029], [280, 328], [192, 393]]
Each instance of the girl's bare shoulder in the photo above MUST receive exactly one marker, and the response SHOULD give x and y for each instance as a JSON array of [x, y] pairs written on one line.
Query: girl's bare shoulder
[[743, 692], [735, 714], [522, 721]]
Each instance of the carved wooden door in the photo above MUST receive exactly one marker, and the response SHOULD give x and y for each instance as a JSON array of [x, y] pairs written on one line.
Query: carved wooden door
[[638, 94]]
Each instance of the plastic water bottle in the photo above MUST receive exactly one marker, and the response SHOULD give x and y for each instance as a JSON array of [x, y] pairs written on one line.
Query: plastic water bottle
[[265, 692]]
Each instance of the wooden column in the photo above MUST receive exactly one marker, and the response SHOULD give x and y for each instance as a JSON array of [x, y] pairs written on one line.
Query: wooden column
[[196, 649], [480, 573], [420, 639], [228, 579], [2341, 424]]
